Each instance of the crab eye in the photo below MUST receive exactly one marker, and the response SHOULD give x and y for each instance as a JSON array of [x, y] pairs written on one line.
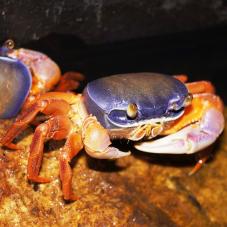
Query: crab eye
[[132, 110], [9, 44], [188, 100], [174, 106]]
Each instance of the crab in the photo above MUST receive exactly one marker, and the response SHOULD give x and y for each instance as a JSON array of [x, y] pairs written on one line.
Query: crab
[[29, 73], [186, 117]]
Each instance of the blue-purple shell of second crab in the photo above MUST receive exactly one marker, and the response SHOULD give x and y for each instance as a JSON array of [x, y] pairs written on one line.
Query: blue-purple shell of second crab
[[156, 96], [15, 84]]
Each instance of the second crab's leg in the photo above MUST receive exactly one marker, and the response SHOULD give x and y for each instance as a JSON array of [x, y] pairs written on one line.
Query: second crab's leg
[[69, 81]]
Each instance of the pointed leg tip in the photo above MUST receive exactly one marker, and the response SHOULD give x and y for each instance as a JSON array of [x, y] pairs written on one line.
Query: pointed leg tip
[[38, 179], [13, 146], [71, 198], [194, 170]]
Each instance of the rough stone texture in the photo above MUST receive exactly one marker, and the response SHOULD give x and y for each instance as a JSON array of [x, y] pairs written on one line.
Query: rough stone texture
[[140, 190], [98, 21]]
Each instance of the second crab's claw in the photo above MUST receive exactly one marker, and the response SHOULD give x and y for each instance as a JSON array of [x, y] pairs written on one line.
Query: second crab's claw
[[195, 136], [97, 142], [45, 72]]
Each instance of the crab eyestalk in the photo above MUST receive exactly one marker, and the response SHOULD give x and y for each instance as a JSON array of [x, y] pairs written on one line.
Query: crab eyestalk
[[132, 110], [188, 100]]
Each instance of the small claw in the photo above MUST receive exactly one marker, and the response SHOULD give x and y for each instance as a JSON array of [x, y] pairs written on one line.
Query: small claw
[[108, 153], [190, 139], [97, 142]]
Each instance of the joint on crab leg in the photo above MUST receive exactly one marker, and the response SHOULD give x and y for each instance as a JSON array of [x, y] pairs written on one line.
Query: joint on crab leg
[[46, 106], [97, 141], [56, 128], [21, 123]]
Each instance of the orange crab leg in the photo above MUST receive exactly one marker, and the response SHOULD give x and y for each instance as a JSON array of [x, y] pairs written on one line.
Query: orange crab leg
[[182, 77], [72, 146], [200, 87], [69, 81], [199, 165], [196, 87], [56, 128], [49, 106]]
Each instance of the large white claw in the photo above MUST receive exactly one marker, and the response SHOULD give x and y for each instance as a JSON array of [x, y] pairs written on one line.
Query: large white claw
[[190, 139]]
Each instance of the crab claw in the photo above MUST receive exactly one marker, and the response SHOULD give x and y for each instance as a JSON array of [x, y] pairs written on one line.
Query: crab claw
[[45, 72], [190, 139], [97, 142]]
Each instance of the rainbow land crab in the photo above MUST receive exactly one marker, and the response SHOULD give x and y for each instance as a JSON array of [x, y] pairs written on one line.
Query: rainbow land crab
[[186, 117]]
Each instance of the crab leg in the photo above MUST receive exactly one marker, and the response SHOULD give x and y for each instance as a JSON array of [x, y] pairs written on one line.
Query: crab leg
[[69, 81], [200, 87], [56, 128], [72, 146], [181, 77], [97, 142], [196, 87], [47, 106], [197, 133]]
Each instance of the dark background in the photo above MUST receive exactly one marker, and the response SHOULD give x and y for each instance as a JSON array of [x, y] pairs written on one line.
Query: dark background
[[100, 38]]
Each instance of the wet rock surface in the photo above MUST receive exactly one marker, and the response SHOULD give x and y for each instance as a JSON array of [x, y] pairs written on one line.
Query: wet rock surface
[[139, 190]]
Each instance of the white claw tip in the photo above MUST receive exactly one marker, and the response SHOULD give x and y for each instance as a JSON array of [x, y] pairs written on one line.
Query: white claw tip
[[108, 153]]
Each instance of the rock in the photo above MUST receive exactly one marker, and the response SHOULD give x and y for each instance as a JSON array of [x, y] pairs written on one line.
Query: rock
[[140, 190]]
